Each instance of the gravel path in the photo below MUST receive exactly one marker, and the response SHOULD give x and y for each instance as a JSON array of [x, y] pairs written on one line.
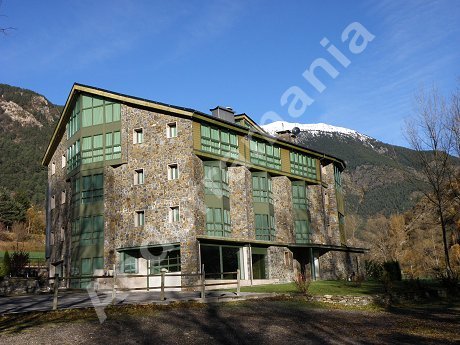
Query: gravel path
[[250, 322]]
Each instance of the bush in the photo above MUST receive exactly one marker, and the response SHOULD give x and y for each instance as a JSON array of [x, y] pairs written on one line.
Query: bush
[[19, 261], [392, 270], [302, 283], [6, 264]]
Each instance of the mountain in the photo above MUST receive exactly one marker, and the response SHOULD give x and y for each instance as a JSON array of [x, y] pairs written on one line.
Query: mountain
[[379, 178], [27, 120]]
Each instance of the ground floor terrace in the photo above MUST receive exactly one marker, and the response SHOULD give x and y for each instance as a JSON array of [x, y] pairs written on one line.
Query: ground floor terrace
[[222, 260]]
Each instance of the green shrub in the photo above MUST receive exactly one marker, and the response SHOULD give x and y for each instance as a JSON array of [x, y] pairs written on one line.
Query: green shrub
[[6, 264], [19, 260], [374, 270], [392, 270]]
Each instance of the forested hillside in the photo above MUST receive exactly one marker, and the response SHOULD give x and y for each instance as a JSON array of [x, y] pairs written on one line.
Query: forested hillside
[[27, 120], [379, 178]]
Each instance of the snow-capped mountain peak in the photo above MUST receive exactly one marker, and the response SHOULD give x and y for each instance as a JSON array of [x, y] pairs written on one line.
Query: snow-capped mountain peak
[[314, 129]]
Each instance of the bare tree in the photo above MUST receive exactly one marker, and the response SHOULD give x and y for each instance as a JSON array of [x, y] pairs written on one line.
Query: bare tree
[[430, 135]]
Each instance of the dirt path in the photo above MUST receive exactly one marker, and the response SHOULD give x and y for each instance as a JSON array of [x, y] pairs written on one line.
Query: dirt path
[[251, 322]]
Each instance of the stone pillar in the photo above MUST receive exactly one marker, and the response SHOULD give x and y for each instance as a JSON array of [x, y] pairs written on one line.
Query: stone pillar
[[284, 214], [333, 232], [241, 209]]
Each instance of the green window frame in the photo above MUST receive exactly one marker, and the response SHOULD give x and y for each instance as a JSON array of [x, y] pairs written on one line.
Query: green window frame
[[129, 263], [302, 231], [86, 267], [265, 227], [73, 126], [112, 145], [299, 195], [73, 156], [92, 188], [303, 165], [169, 260], [265, 154], [219, 141], [216, 178], [218, 222], [88, 230], [262, 188], [97, 111]]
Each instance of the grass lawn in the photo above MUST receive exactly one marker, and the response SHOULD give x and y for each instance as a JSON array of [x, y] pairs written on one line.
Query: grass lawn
[[32, 255]]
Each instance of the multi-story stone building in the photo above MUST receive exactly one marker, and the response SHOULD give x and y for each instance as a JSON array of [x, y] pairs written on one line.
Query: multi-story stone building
[[143, 186]]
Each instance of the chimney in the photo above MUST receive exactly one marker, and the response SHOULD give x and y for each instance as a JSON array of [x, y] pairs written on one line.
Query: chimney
[[224, 113], [287, 135]]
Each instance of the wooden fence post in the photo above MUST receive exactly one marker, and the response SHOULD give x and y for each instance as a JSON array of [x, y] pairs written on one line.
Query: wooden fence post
[[162, 293], [56, 286], [237, 282], [203, 283], [114, 286]]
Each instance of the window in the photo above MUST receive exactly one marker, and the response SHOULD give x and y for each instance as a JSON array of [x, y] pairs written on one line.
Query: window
[[303, 165], [63, 197], [165, 258], [174, 214], [73, 125], [53, 168], [75, 191], [216, 178], [112, 145], [129, 263], [302, 231], [338, 179], [138, 136], [139, 218], [219, 141], [86, 268], [218, 222], [92, 230], [73, 155], [63, 161], [139, 176], [96, 111], [173, 172], [62, 233], [265, 154], [92, 188], [265, 227], [171, 130], [262, 187], [53, 202], [299, 195]]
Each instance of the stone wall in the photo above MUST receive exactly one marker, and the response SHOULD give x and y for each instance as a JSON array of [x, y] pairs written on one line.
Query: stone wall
[[60, 215], [241, 211], [18, 286], [280, 264], [155, 197], [284, 214]]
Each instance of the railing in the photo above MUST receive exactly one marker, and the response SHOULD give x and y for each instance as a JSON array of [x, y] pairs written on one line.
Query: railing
[[162, 287]]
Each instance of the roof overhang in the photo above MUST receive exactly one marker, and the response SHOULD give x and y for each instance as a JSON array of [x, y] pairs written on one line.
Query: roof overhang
[[293, 246]]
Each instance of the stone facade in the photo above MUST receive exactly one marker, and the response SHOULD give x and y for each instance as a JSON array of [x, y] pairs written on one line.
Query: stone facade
[[123, 198]]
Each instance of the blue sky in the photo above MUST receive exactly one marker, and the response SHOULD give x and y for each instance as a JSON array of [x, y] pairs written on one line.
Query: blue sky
[[243, 54]]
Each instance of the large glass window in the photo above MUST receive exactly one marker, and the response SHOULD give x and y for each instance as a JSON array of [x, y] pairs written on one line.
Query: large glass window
[[265, 154], [299, 195], [220, 261], [112, 145], [217, 222], [91, 230], [73, 125], [302, 231], [165, 258], [262, 188], [265, 227], [216, 178], [92, 188], [129, 263], [338, 179], [303, 165], [96, 111], [219, 141], [73, 156]]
